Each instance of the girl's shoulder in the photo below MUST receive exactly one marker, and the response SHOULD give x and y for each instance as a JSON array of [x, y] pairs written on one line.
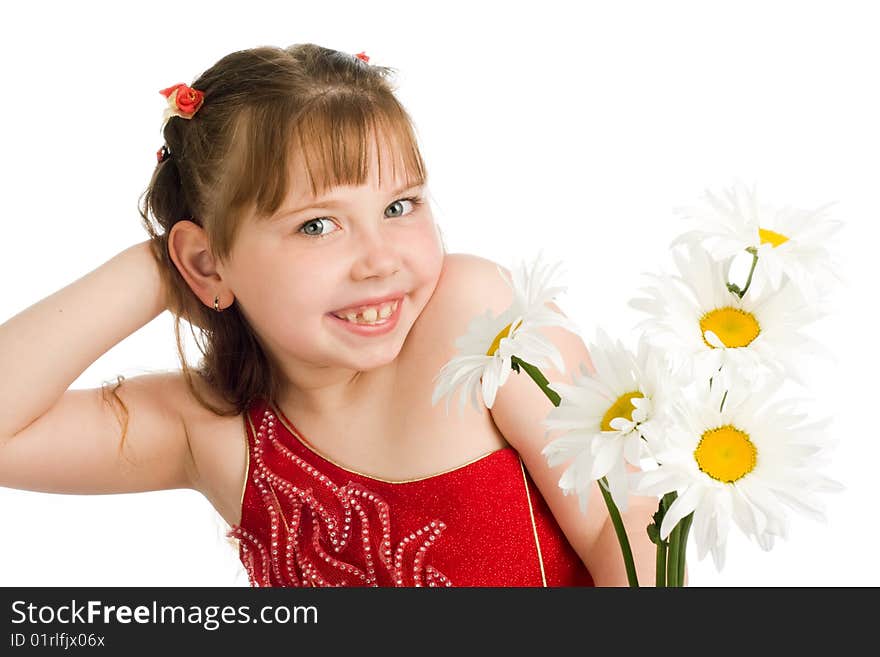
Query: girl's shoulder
[[456, 265], [449, 310], [463, 292], [461, 276]]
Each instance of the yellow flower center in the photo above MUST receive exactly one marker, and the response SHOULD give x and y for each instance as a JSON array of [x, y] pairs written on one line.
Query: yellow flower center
[[733, 326], [768, 236], [622, 407], [498, 338], [726, 454]]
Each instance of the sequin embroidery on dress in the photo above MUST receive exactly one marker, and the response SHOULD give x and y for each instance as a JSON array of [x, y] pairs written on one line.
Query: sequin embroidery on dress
[[317, 539]]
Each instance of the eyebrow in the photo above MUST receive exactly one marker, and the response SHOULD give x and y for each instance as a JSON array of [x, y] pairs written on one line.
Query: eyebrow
[[329, 200]]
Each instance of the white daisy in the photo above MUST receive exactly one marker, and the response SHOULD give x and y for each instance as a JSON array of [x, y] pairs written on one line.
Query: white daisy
[[485, 350], [789, 242], [603, 416], [657, 385], [744, 463], [705, 327]]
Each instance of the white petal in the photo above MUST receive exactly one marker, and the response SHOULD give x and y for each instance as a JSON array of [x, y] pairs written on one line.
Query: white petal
[[632, 449], [748, 516], [718, 555], [713, 339], [490, 384], [659, 481], [682, 506], [765, 541], [621, 424], [606, 455], [567, 446]]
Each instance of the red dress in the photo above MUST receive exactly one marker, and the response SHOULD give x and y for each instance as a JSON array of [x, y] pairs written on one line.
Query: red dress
[[306, 521]]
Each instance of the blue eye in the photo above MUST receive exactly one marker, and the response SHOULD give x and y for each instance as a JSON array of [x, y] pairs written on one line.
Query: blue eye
[[320, 221], [414, 200], [314, 222]]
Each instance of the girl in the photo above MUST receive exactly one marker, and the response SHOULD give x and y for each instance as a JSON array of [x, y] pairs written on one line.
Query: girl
[[288, 222]]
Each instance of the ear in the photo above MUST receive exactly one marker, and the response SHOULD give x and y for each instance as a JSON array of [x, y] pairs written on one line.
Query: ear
[[189, 250]]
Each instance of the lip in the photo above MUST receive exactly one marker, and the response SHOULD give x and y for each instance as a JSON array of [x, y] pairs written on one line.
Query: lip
[[366, 330], [371, 302]]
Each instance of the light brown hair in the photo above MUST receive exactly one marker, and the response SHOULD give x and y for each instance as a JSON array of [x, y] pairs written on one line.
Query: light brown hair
[[232, 160]]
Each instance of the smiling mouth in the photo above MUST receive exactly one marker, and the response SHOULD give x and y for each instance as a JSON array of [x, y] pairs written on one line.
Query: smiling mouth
[[370, 315]]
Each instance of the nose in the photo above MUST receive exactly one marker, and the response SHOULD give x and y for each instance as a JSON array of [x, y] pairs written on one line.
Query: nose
[[376, 255]]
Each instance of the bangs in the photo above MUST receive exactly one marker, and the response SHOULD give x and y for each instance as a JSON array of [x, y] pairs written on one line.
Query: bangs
[[332, 140]]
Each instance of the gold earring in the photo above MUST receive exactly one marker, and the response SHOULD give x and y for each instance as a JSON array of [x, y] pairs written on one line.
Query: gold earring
[[216, 306]]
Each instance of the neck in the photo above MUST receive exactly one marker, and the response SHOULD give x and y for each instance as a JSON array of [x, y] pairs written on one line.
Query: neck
[[346, 393]]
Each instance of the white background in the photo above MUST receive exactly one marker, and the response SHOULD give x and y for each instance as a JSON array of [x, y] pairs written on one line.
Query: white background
[[571, 127]]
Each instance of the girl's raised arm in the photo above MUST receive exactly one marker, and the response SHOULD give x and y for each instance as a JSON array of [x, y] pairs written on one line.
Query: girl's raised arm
[[68, 441]]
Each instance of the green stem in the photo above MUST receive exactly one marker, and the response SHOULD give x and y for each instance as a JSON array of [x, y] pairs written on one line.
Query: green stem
[[685, 528], [662, 546], [754, 253], [554, 397], [660, 577], [536, 375], [631, 576], [733, 287], [672, 562]]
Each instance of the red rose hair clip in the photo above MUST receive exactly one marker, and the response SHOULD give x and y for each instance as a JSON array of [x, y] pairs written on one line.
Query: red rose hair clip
[[363, 56], [183, 101]]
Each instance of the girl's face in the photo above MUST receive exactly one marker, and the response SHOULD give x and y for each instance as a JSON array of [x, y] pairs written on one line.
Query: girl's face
[[317, 256]]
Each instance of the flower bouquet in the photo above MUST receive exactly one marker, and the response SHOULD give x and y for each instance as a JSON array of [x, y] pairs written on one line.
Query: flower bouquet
[[689, 417]]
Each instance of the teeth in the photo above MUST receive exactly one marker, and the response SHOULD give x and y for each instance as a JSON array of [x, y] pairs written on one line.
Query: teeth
[[370, 315]]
